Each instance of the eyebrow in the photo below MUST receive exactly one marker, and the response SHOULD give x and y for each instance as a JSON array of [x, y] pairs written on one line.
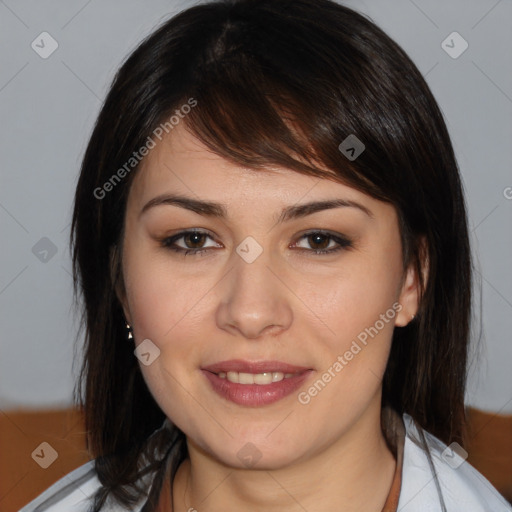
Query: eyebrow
[[219, 210]]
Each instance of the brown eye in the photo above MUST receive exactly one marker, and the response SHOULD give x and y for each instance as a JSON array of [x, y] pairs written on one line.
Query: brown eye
[[325, 243], [193, 242], [319, 241]]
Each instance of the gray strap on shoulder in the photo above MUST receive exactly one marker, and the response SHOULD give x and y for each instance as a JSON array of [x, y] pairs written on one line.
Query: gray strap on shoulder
[[432, 468]]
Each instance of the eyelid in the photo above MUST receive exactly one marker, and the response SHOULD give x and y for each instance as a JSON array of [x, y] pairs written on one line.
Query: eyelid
[[343, 242], [167, 241]]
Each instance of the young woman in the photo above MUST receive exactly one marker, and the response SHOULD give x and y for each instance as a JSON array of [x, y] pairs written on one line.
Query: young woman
[[271, 243]]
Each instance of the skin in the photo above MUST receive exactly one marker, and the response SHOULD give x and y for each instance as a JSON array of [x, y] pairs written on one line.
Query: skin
[[290, 305]]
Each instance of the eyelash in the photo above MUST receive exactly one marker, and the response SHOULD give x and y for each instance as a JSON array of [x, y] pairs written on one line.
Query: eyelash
[[343, 243]]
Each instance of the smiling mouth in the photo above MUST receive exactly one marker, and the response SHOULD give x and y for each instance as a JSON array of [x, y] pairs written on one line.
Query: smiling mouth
[[263, 372], [255, 384], [264, 378]]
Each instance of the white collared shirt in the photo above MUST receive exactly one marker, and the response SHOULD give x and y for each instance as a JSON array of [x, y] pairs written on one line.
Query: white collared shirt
[[445, 483]]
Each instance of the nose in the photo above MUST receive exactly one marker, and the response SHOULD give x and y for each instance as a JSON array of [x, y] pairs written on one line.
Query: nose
[[253, 300]]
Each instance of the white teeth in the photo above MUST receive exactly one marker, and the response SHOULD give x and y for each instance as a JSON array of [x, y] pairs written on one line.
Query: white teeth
[[276, 377], [242, 378], [254, 378], [232, 377]]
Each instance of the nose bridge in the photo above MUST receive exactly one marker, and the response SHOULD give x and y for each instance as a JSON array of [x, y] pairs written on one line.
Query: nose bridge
[[253, 299]]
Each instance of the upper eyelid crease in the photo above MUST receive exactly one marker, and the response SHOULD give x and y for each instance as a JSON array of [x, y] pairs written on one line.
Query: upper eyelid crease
[[340, 239], [219, 210]]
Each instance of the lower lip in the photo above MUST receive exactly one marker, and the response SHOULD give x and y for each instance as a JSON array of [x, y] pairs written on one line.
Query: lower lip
[[255, 395]]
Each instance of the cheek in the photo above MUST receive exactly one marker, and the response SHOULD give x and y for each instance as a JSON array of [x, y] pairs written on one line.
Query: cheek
[[355, 297], [359, 306], [161, 302], [163, 306], [360, 312]]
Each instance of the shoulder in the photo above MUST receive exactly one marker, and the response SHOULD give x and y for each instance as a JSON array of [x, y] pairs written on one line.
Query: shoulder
[[445, 477], [74, 492]]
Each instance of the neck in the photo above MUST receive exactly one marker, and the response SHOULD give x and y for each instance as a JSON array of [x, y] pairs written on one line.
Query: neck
[[338, 476]]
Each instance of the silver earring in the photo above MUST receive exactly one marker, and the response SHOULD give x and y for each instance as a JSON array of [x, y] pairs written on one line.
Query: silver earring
[[130, 333]]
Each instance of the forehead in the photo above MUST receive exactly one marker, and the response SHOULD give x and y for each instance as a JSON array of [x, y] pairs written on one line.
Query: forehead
[[180, 163]]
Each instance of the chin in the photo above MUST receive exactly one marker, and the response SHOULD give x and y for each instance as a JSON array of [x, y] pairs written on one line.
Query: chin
[[246, 454]]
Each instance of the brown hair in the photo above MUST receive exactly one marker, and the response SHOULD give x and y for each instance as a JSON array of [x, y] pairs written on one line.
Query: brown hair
[[276, 83]]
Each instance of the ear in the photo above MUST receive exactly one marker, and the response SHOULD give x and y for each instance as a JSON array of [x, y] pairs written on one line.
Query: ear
[[410, 293], [116, 277]]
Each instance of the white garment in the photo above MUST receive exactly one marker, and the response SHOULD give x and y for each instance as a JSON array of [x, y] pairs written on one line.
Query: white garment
[[463, 488]]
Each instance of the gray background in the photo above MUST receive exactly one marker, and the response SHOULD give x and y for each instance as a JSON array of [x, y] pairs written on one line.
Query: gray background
[[48, 107]]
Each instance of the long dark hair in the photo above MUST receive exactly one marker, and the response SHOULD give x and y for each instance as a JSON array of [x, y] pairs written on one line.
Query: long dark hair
[[274, 82]]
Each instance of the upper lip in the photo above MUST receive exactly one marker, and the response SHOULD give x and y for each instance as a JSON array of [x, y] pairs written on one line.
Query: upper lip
[[239, 365]]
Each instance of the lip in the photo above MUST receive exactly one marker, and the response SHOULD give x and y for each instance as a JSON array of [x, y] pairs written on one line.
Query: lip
[[255, 395], [239, 365]]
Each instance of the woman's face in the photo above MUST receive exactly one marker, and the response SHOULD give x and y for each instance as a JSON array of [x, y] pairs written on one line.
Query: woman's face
[[258, 292]]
